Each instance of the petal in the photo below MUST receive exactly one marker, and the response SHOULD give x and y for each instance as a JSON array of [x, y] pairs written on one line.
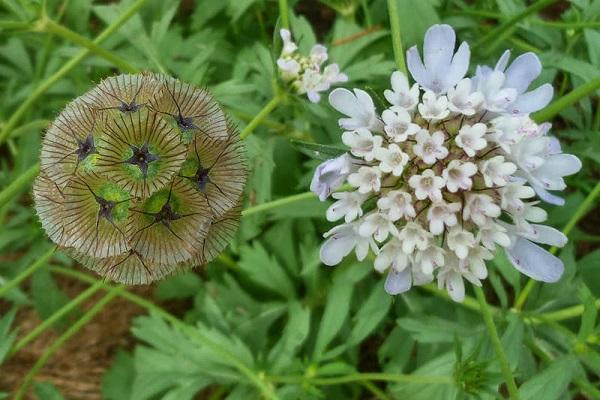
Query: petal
[[438, 47], [544, 234], [345, 102], [547, 196], [534, 261], [398, 282], [523, 70], [533, 101], [502, 61], [365, 101], [336, 248], [455, 286], [399, 82], [459, 66], [416, 68], [561, 165]]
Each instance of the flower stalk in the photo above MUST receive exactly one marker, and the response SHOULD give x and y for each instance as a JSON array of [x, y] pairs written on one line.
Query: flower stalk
[[396, 35]]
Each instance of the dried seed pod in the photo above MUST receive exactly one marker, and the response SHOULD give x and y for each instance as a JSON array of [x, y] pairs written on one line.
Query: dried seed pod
[[141, 177]]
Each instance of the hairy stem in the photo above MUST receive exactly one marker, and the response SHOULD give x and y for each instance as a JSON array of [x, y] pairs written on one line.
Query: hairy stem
[[37, 264], [365, 377], [495, 339], [396, 36], [567, 100], [283, 14], [267, 109]]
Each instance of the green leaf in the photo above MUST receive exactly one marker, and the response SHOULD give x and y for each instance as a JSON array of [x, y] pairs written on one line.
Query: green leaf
[[117, 382], [369, 315], [47, 296], [179, 286], [319, 151], [265, 271], [335, 314], [512, 340], [46, 391], [7, 337], [552, 382], [296, 331], [415, 18]]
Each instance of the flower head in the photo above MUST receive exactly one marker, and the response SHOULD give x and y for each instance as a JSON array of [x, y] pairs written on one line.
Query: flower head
[[305, 73], [448, 163]]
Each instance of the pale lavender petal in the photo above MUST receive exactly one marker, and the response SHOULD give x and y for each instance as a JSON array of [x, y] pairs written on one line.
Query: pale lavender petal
[[345, 102], [547, 196], [548, 235], [459, 66], [502, 61], [438, 48], [398, 281], [534, 261], [533, 101], [336, 248], [523, 70], [416, 67]]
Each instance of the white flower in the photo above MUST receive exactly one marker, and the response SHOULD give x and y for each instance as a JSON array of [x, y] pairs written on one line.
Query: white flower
[[330, 175], [430, 147], [479, 207], [288, 45], [398, 125], [429, 258], [312, 83], [460, 241], [427, 185], [318, 54], [366, 179], [475, 263], [463, 100], [458, 175], [441, 213], [401, 95], [505, 131], [358, 106], [377, 225], [491, 234], [347, 206], [490, 84], [397, 204], [392, 159], [413, 236], [451, 280], [496, 171], [442, 69], [341, 240], [391, 254], [529, 213], [332, 74], [398, 282], [289, 68], [362, 143], [470, 138], [511, 195], [433, 107]]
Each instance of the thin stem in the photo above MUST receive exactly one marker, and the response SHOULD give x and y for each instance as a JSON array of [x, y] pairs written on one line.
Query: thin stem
[[365, 377], [193, 333], [65, 69], [48, 25], [19, 184], [47, 323], [567, 100], [492, 39], [283, 14], [277, 203], [493, 332], [267, 109], [468, 301], [396, 36], [579, 213], [37, 264], [73, 329]]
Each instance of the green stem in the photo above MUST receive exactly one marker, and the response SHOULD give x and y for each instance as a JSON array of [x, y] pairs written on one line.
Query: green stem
[[48, 25], [494, 38], [267, 109], [39, 263], [73, 329], [19, 184], [579, 213], [47, 323], [468, 301], [193, 333], [365, 377], [495, 339], [65, 69], [396, 36], [283, 14], [14, 25], [277, 203], [567, 100]]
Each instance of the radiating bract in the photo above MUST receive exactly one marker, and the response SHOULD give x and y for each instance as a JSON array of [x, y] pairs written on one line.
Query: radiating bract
[[141, 177]]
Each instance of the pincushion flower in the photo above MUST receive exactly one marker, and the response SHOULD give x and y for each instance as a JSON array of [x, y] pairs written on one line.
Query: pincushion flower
[[448, 174], [141, 177], [307, 74]]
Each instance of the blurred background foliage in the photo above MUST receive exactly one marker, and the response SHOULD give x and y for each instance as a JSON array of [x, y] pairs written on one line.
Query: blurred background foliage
[[267, 320]]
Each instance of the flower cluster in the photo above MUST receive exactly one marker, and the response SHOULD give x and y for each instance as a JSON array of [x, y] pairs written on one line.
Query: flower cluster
[[140, 177], [447, 173], [304, 72]]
